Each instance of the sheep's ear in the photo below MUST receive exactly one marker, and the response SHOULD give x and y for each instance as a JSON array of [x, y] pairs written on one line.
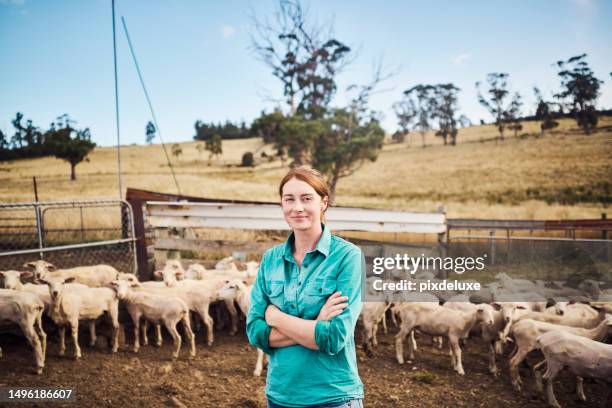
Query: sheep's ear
[[29, 264], [135, 284], [26, 274], [571, 302], [41, 281], [2, 274], [521, 307], [179, 275], [496, 306], [50, 266], [69, 280], [158, 274]]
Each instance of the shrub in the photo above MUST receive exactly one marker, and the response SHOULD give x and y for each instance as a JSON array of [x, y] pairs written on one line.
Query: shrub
[[248, 160]]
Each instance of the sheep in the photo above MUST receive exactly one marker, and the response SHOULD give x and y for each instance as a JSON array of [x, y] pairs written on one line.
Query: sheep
[[197, 295], [94, 276], [493, 334], [173, 276], [25, 309], [530, 300], [196, 271], [371, 314], [436, 320], [241, 292], [490, 331], [68, 307], [578, 319], [157, 309], [12, 280], [515, 285], [575, 310], [591, 287], [525, 333], [226, 263], [582, 356]]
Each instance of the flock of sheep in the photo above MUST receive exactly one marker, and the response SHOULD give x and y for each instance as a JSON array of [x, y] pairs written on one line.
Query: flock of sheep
[[569, 334], [87, 293]]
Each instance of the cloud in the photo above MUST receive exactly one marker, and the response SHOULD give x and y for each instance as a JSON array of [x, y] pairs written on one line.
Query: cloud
[[461, 59], [228, 31]]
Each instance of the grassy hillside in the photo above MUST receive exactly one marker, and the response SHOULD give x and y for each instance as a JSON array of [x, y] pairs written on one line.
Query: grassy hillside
[[562, 175]]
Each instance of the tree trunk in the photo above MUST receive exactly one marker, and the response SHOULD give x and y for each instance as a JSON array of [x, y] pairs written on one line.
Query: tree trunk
[[332, 189], [72, 171], [423, 138]]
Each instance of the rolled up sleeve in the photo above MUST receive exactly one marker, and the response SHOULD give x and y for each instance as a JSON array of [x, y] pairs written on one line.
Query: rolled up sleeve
[[332, 336], [258, 330]]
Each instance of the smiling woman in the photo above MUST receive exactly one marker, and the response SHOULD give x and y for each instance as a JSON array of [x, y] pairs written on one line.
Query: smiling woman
[[305, 303]]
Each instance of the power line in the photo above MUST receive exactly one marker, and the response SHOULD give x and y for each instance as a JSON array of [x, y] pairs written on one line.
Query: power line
[[144, 88], [117, 104]]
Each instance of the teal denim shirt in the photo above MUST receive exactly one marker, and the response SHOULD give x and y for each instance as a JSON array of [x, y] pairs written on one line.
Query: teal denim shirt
[[298, 376]]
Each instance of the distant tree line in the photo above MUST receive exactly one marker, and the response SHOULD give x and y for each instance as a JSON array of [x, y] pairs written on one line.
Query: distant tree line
[[62, 140], [226, 131], [425, 107]]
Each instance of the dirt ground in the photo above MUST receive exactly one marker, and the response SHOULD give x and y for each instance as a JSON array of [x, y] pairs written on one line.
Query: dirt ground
[[221, 376]]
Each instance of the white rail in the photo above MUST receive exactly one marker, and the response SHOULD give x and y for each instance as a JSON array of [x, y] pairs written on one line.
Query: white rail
[[269, 217]]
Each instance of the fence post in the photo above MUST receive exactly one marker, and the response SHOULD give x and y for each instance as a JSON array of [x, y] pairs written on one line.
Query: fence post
[[442, 242], [492, 247], [39, 229], [142, 259], [604, 235]]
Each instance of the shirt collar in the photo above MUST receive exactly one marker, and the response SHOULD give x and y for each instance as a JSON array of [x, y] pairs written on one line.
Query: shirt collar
[[322, 246]]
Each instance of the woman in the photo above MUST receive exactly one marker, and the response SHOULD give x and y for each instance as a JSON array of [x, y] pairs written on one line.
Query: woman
[[305, 303]]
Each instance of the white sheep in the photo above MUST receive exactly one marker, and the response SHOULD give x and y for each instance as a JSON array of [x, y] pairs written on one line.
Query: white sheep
[[583, 357], [436, 320], [372, 314], [25, 310], [239, 291], [526, 332], [157, 309], [68, 307], [197, 295], [226, 263], [94, 276], [578, 319], [173, 275], [515, 285]]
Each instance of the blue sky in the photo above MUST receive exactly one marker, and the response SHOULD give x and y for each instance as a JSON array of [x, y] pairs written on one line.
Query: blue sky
[[195, 57]]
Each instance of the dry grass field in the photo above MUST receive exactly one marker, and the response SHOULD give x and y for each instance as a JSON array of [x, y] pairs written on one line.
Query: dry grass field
[[563, 175]]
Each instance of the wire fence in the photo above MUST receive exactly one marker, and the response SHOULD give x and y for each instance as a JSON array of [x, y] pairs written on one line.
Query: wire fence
[[68, 234]]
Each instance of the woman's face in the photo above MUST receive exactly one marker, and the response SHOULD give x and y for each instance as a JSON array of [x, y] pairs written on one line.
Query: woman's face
[[302, 205]]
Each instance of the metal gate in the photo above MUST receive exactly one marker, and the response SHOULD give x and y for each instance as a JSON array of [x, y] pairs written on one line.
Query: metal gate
[[68, 234]]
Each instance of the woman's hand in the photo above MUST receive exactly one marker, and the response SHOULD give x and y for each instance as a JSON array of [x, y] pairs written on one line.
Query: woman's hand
[[332, 308], [271, 312]]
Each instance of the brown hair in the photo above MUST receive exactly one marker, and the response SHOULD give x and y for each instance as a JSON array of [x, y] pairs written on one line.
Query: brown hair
[[310, 176]]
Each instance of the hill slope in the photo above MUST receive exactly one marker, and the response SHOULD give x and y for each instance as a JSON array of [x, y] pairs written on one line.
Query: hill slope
[[562, 175]]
